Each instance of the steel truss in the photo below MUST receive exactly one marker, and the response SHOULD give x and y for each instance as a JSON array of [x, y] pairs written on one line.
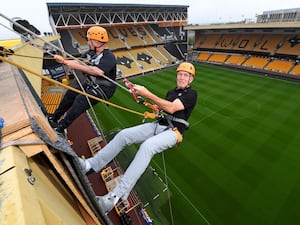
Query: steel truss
[[78, 15]]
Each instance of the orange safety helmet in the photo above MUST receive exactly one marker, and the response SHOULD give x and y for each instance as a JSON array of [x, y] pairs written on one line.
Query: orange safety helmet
[[187, 67], [97, 33]]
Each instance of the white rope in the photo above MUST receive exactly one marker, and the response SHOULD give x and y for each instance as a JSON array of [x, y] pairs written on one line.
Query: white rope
[[168, 191], [73, 72], [57, 48]]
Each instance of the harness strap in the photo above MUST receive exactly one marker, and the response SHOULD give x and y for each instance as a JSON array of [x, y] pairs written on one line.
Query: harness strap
[[175, 129], [178, 120], [90, 84], [100, 92], [179, 135]]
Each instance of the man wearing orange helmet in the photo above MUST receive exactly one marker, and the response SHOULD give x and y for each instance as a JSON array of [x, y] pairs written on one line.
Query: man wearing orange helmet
[[101, 61], [154, 137]]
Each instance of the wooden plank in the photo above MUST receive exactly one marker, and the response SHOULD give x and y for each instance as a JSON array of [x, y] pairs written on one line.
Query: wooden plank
[[30, 144], [34, 110], [86, 216], [31, 150], [17, 134], [17, 103], [12, 108], [72, 186]]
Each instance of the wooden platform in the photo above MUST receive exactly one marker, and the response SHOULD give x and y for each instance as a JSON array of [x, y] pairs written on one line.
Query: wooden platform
[[22, 148]]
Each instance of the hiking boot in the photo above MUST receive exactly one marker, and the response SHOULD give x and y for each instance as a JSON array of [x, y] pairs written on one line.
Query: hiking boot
[[52, 121], [107, 202]]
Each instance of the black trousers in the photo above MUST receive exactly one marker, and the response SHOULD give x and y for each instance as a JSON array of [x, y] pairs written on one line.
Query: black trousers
[[74, 104]]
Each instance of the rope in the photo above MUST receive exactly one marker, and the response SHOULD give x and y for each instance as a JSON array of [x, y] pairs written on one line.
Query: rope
[[57, 48], [146, 114], [30, 56], [73, 72], [169, 195]]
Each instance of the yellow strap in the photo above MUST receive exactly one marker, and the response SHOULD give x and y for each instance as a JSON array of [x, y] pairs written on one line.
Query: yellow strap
[[146, 114], [179, 136], [150, 115], [35, 57]]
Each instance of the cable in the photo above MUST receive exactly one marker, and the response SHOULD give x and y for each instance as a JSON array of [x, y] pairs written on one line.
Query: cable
[[30, 56], [59, 49], [166, 181], [145, 115], [73, 72]]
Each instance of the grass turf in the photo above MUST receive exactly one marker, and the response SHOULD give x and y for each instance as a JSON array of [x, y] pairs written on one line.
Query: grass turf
[[239, 162]]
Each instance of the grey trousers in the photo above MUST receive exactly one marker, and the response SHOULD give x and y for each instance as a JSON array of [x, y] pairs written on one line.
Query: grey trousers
[[154, 138]]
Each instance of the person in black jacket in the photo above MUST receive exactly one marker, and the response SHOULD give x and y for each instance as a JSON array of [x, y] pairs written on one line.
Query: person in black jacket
[[101, 61]]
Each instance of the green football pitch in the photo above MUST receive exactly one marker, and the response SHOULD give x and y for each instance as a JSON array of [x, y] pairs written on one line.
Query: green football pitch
[[239, 163]]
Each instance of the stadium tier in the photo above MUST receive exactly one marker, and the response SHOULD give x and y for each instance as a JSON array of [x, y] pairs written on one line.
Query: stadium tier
[[271, 47], [144, 38]]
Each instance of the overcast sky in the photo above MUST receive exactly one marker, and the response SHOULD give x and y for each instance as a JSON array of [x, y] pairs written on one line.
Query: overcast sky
[[199, 11]]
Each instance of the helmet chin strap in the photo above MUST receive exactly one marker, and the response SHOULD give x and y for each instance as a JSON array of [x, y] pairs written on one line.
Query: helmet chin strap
[[99, 46]]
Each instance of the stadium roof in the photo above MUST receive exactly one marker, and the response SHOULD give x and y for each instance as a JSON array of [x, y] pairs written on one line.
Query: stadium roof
[[73, 15], [238, 26], [98, 6]]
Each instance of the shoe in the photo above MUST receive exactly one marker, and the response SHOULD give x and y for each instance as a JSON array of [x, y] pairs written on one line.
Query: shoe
[[52, 121], [60, 128], [107, 202], [86, 169]]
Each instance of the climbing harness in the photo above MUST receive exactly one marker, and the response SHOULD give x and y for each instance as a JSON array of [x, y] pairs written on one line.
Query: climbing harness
[[54, 47], [159, 114], [146, 114], [50, 49], [156, 111]]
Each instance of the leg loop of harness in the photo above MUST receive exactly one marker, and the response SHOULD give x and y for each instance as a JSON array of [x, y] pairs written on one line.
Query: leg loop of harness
[[179, 135], [90, 85], [175, 129]]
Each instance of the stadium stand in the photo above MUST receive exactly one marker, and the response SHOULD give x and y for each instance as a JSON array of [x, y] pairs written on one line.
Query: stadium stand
[[145, 58], [131, 36], [256, 62], [271, 45], [115, 39], [153, 34], [296, 70], [203, 56], [144, 38], [246, 42], [228, 41], [127, 64], [147, 36], [163, 45], [161, 59], [207, 41], [218, 57], [68, 42], [79, 35], [290, 46], [171, 58], [280, 65], [236, 59]]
